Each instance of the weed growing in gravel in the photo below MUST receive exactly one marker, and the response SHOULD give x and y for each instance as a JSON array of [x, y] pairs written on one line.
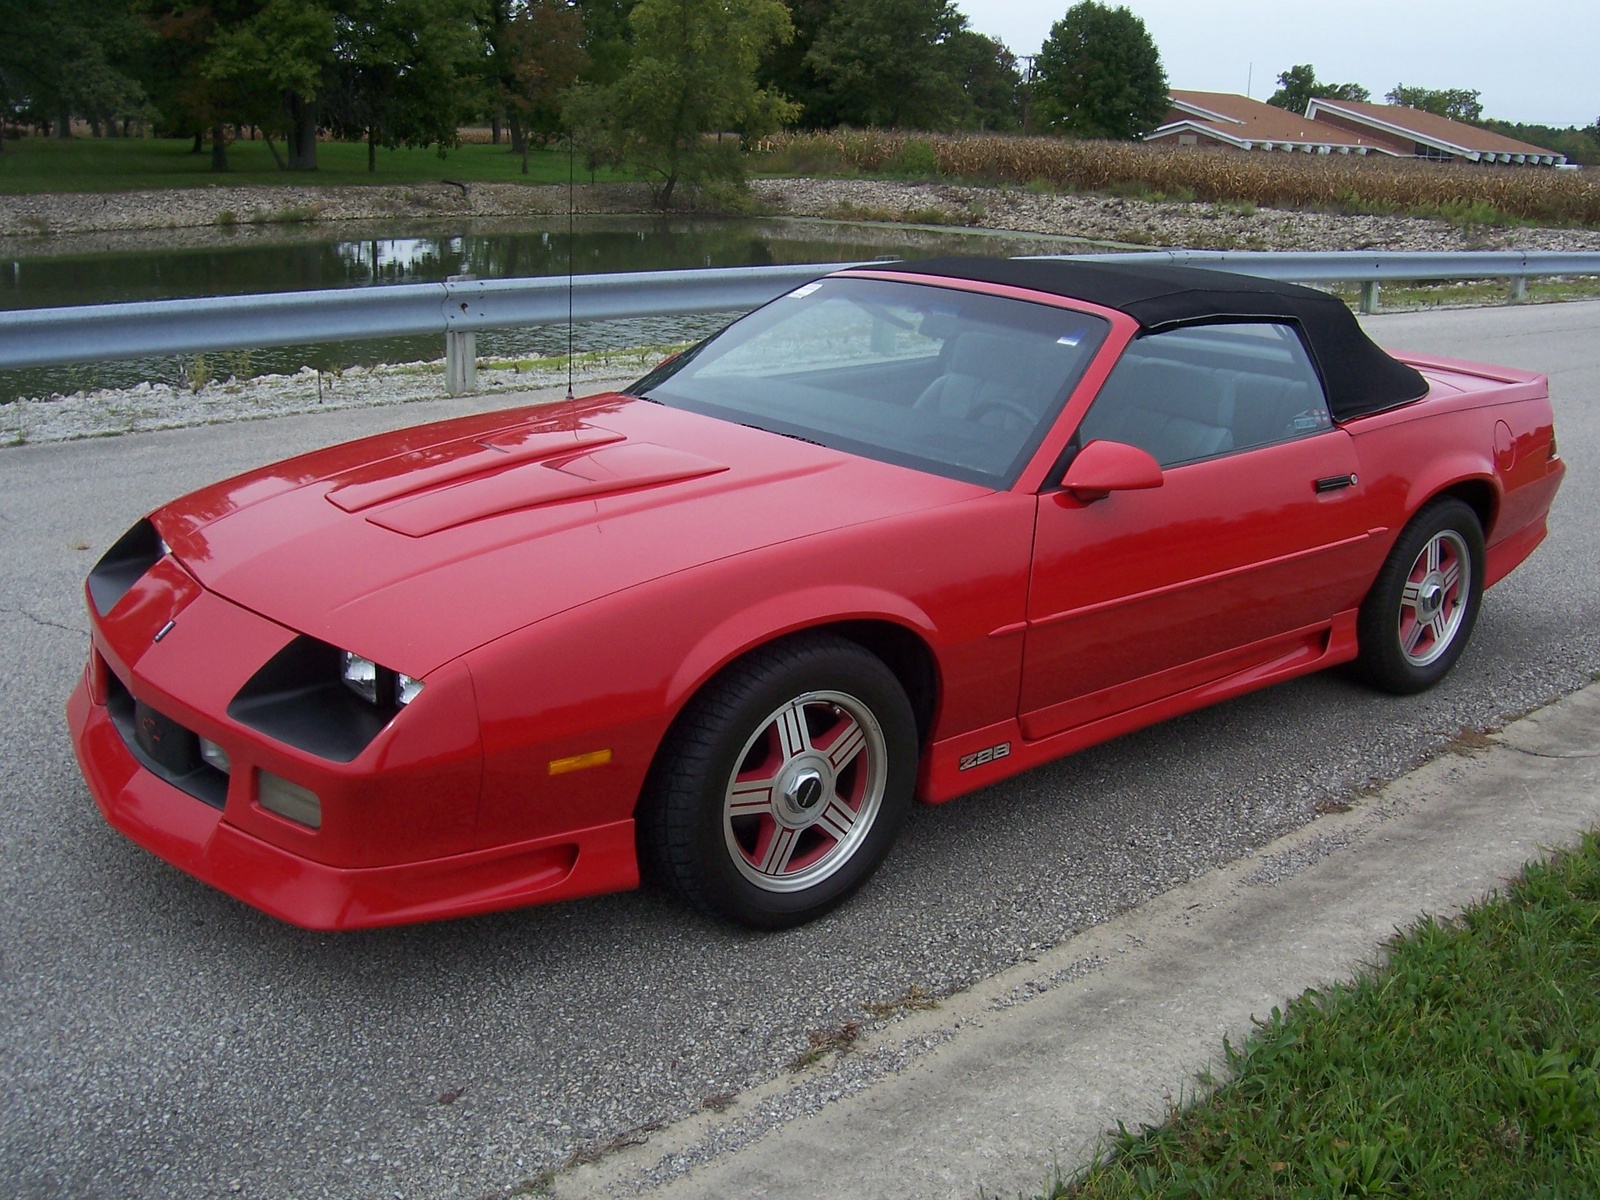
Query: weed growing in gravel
[[1467, 1065]]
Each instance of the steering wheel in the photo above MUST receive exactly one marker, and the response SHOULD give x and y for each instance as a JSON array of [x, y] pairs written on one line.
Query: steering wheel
[[1015, 408]]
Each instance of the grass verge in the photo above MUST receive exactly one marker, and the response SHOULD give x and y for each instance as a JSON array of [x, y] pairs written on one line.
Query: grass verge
[[1468, 1065], [36, 164]]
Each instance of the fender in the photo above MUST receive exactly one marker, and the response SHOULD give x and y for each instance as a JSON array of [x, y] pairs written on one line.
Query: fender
[[777, 616], [1460, 467]]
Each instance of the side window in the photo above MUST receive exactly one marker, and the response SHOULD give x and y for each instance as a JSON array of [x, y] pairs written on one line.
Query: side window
[[1207, 390]]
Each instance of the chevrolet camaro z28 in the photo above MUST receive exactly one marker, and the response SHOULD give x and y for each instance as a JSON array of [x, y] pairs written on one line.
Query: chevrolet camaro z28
[[899, 534]]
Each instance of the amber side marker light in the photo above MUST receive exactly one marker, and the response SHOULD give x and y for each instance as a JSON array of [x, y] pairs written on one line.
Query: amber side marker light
[[579, 762]]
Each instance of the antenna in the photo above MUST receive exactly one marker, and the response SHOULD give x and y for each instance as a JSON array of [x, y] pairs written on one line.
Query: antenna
[[569, 264]]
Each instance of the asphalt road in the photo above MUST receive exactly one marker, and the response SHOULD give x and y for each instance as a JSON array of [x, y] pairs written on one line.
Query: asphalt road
[[159, 1039]]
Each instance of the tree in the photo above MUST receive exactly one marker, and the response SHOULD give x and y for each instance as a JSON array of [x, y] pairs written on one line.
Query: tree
[[69, 58], [1299, 86], [1458, 104], [786, 68], [690, 78], [544, 56], [607, 38], [286, 49], [404, 72], [1099, 75], [990, 80], [887, 62]]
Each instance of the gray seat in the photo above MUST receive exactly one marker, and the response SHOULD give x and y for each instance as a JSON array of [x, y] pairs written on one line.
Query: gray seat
[[1175, 412], [989, 379], [1264, 409]]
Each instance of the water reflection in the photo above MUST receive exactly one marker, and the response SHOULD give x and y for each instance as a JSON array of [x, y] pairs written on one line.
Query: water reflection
[[52, 272]]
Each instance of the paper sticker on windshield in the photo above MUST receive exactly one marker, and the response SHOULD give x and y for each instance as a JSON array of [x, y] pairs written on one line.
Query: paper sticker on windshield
[[803, 291]]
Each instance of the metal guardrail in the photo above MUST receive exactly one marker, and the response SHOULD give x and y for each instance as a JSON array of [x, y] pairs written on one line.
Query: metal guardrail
[[458, 307]]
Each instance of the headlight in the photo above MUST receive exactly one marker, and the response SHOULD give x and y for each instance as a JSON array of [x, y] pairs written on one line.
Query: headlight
[[375, 684]]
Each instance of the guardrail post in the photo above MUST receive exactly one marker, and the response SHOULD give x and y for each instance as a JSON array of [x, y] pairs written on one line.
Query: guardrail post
[[1519, 289], [460, 358], [1369, 297]]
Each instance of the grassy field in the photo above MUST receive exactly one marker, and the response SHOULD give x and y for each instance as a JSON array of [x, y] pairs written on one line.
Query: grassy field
[[1466, 1066], [123, 164]]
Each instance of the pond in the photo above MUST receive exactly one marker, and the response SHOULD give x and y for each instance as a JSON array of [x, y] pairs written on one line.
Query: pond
[[161, 264]]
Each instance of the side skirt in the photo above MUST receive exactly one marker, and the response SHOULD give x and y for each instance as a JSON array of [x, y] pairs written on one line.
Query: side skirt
[[942, 777]]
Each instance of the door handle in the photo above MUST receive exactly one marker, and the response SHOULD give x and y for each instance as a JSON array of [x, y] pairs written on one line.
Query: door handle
[[1334, 482]]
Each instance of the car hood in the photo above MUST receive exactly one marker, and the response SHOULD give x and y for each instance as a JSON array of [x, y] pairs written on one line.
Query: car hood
[[415, 547]]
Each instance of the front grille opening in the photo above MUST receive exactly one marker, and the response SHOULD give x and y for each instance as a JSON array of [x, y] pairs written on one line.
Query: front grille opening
[[163, 747]]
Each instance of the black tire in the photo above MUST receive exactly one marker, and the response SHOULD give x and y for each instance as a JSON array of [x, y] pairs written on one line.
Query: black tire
[[800, 831], [1417, 618]]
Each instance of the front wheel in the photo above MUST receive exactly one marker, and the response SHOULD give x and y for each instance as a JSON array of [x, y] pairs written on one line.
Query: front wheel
[[783, 784], [1417, 618]]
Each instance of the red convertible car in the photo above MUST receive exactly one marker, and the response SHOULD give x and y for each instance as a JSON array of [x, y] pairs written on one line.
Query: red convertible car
[[901, 533]]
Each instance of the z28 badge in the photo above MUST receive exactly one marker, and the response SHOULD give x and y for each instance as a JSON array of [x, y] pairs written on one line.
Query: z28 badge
[[968, 761]]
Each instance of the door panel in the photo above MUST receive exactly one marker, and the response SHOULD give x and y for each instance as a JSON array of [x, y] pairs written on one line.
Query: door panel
[[1147, 593]]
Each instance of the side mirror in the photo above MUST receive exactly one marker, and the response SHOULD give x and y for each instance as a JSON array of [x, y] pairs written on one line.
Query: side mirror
[[1101, 468]]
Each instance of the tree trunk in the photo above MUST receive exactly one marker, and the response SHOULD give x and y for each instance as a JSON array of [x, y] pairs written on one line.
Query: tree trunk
[[372, 150], [63, 122], [519, 138], [303, 132], [494, 129], [276, 157], [199, 141], [524, 156], [219, 147]]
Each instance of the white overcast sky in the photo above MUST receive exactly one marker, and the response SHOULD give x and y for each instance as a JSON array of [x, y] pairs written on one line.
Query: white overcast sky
[[1533, 60]]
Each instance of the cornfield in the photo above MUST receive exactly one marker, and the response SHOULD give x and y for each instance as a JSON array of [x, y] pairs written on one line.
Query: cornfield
[[1345, 183]]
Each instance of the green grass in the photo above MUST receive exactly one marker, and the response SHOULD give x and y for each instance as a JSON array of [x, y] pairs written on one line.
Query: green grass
[[84, 164], [1473, 293], [1466, 1066]]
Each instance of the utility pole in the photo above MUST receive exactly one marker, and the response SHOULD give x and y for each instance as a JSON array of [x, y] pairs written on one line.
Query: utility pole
[[1027, 87]]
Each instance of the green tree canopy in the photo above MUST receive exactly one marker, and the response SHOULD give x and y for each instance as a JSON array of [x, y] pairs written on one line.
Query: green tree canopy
[[544, 50], [70, 58], [1099, 75], [690, 78], [1299, 86], [1459, 104], [888, 62], [404, 72], [990, 81]]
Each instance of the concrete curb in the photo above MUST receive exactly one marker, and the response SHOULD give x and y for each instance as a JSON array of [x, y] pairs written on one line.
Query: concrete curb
[[998, 1086]]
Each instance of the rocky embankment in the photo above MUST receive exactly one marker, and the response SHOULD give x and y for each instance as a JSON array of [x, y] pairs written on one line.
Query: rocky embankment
[[1099, 218]]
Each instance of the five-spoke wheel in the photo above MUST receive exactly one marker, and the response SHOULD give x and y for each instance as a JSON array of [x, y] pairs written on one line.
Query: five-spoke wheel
[[782, 785], [1419, 614]]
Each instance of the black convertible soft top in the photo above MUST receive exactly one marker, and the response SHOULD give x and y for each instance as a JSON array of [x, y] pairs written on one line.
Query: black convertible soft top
[[1357, 375]]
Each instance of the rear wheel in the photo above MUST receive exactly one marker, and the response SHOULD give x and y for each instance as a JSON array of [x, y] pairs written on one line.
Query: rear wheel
[[783, 784], [1417, 618]]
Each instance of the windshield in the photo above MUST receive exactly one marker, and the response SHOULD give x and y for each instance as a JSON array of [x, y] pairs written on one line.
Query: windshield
[[956, 383]]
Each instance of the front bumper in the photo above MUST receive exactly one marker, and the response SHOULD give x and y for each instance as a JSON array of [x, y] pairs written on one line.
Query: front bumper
[[198, 839]]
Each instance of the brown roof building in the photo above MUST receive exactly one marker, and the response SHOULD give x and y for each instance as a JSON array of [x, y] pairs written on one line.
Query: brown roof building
[[1222, 119], [1411, 131]]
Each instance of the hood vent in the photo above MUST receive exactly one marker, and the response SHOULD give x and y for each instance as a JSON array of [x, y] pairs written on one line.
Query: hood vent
[[606, 471], [453, 462]]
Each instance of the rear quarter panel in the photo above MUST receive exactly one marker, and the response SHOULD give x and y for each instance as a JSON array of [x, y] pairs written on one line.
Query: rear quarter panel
[[1488, 428]]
